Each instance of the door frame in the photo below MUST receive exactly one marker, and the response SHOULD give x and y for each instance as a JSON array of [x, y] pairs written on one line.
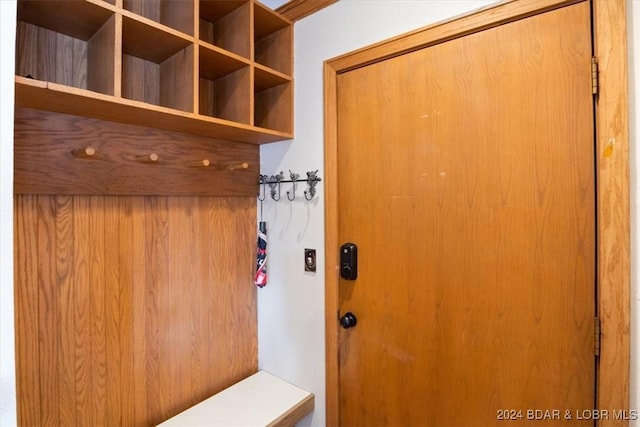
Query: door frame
[[612, 181]]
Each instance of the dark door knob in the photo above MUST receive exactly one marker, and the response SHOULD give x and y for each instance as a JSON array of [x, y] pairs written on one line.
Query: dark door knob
[[348, 320]]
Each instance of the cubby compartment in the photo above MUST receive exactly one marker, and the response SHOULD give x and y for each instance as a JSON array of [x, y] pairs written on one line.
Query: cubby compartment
[[177, 14], [227, 24], [272, 40], [67, 42], [224, 86], [218, 68], [157, 67], [273, 106]]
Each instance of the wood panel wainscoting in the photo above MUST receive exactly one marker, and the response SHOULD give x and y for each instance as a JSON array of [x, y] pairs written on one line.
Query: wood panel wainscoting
[[131, 309], [134, 255], [136, 156]]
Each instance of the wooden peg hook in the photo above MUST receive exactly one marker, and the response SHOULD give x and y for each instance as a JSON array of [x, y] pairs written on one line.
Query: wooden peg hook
[[238, 166], [206, 163], [148, 158], [84, 153], [199, 164]]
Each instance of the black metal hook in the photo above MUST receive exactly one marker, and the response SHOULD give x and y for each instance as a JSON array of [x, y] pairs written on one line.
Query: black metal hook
[[312, 181], [263, 183], [274, 181], [294, 178]]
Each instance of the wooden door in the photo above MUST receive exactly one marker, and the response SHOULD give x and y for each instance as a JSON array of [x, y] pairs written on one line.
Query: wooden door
[[466, 179]]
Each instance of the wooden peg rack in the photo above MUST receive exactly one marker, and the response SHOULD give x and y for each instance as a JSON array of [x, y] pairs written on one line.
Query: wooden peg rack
[[64, 154]]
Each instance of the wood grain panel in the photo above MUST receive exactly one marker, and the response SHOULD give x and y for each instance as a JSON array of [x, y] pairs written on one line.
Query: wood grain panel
[[118, 329], [74, 18], [44, 163], [26, 307], [148, 9], [66, 296], [276, 51], [227, 24], [147, 40], [178, 14], [27, 61], [231, 94], [47, 311], [141, 276], [131, 309], [49, 56], [156, 306], [95, 213], [140, 80], [488, 302], [227, 277], [270, 104], [176, 80], [232, 32], [81, 310]]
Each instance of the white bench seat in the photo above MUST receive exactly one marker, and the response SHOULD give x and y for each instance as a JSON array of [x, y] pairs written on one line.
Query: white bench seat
[[258, 401]]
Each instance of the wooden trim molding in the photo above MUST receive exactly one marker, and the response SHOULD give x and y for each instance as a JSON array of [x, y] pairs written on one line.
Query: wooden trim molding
[[332, 302], [613, 209], [482, 19], [613, 205], [298, 9]]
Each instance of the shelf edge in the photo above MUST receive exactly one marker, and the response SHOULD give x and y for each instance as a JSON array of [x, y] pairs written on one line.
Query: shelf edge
[[48, 96]]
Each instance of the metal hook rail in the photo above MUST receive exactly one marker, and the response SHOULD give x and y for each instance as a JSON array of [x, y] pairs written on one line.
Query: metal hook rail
[[275, 181]]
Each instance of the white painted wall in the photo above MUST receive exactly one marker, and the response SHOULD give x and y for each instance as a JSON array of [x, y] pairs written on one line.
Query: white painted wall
[[7, 358], [291, 306]]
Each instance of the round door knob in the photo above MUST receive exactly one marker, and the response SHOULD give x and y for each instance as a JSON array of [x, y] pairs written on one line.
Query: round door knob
[[348, 320]]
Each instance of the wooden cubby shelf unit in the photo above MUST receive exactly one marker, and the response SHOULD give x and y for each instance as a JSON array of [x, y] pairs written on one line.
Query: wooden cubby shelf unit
[[272, 38], [157, 65], [225, 85], [227, 24], [171, 13], [66, 42], [216, 68]]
